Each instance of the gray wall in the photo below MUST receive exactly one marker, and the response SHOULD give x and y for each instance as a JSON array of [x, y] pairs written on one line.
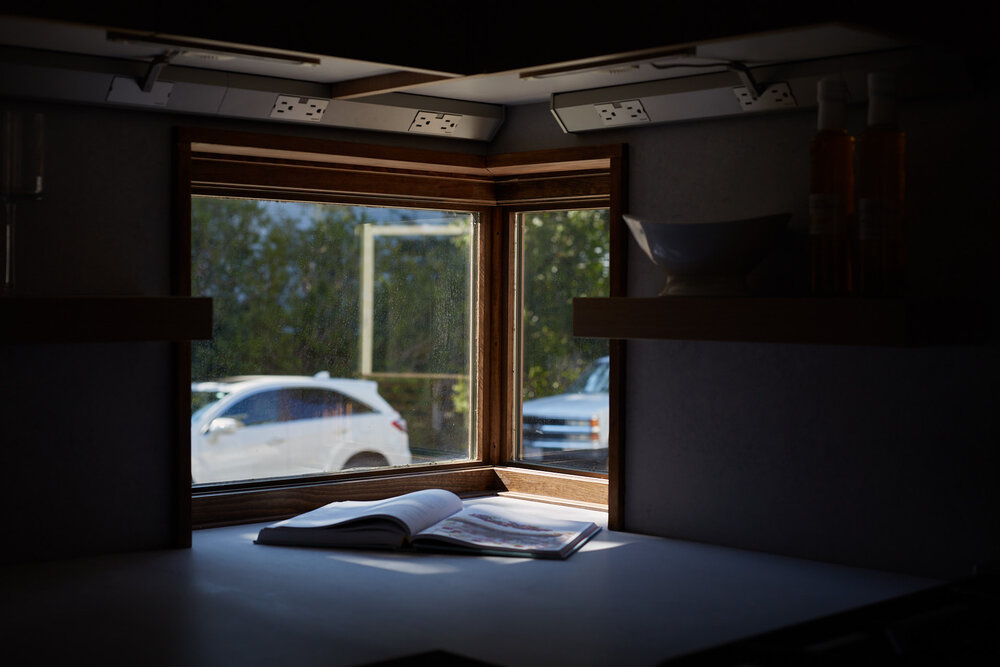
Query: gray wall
[[880, 457], [85, 429], [875, 457]]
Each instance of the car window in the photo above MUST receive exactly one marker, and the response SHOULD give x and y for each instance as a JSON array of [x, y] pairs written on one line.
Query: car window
[[259, 408], [594, 380], [308, 403]]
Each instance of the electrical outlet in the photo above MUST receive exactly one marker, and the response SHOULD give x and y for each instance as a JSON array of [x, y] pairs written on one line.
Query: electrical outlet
[[626, 112], [290, 107], [775, 96], [430, 122]]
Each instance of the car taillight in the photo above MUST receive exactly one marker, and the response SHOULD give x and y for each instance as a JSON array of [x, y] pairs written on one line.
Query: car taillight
[[595, 428], [400, 424]]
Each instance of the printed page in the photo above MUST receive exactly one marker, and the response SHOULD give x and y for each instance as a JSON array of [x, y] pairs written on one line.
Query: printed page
[[416, 510], [497, 528]]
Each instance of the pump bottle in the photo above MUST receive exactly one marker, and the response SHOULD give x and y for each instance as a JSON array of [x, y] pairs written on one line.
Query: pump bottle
[[879, 256], [831, 193]]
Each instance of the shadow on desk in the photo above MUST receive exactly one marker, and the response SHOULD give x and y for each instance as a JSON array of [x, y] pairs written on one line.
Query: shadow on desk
[[956, 624], [432, 659]]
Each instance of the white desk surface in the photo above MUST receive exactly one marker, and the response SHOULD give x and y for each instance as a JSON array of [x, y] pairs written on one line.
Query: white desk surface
[[623, 599]]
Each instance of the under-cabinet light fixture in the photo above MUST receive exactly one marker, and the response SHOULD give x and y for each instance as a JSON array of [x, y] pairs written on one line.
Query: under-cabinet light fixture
[[211, 92], [189, 46], [609, 63], [650, 102], [733, 89]]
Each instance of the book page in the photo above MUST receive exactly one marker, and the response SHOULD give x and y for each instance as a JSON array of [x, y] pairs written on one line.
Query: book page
[[496, 528], [416, 511]]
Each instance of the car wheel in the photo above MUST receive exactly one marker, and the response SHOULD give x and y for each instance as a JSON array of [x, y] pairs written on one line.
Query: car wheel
[[366, 460]]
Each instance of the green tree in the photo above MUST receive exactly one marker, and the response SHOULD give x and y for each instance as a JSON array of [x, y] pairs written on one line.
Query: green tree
[[566, 255], [325, 310], [285, 287]]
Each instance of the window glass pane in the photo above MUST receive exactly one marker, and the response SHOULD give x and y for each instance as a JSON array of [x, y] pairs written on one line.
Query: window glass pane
[[349, 328], [308, 403], [564, 379], [256, 409]]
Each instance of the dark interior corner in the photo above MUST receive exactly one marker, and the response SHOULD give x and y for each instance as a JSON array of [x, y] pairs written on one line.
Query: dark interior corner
[[821, 448]]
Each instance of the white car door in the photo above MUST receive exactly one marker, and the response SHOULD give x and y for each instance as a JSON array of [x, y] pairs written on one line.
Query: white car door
[[316, 424], [247, 440]]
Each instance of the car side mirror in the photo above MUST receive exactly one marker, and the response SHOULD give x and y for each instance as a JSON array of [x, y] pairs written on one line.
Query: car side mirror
[[221, 425]]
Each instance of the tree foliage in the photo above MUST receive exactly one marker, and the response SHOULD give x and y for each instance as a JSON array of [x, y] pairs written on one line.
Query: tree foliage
[[285, 293], [566, 255]]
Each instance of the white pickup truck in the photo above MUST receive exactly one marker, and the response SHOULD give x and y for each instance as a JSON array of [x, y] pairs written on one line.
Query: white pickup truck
[[576, 420]]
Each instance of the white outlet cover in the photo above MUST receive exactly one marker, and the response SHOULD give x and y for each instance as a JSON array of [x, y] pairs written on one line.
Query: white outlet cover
[[626, 112], [775, 96], [431, 122], [291, 107]]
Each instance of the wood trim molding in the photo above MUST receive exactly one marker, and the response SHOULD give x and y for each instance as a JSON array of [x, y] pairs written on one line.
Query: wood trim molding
[[329, 179], [578, 158], [218, 507], [276, 147], [585, 189], [342, 155], [382, 83], [564, 487], [207, 140], [616, 348], [180, 279]]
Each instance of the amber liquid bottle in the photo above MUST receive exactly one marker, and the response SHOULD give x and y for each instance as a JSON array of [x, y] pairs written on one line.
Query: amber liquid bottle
[[831, 194], [880, 252]]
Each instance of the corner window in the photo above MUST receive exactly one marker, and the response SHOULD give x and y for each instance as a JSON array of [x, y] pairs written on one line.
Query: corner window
[[384, 314]]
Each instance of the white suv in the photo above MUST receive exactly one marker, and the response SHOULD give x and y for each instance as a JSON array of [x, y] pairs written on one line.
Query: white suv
[[576, 420], [262, 426]]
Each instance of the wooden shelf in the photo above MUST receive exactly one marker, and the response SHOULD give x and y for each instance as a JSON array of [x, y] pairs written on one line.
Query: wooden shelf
[[92, 319], [828, 321]]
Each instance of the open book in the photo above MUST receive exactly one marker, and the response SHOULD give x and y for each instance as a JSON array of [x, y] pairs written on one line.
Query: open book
[[432, 519]]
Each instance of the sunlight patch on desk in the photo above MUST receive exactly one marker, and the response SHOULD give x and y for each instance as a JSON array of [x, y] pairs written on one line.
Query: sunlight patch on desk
[[602, 545], [404, 563]]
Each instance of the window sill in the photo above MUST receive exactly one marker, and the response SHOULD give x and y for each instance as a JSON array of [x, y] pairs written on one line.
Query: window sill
[[217, 506]]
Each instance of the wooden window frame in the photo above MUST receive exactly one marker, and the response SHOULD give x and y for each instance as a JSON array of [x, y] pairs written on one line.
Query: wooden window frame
[[228, 163]]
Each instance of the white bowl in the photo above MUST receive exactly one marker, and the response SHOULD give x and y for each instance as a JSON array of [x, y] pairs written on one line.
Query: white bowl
[[707, 258]]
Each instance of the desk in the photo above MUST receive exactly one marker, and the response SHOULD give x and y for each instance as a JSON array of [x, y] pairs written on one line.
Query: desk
[[623, 599]]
